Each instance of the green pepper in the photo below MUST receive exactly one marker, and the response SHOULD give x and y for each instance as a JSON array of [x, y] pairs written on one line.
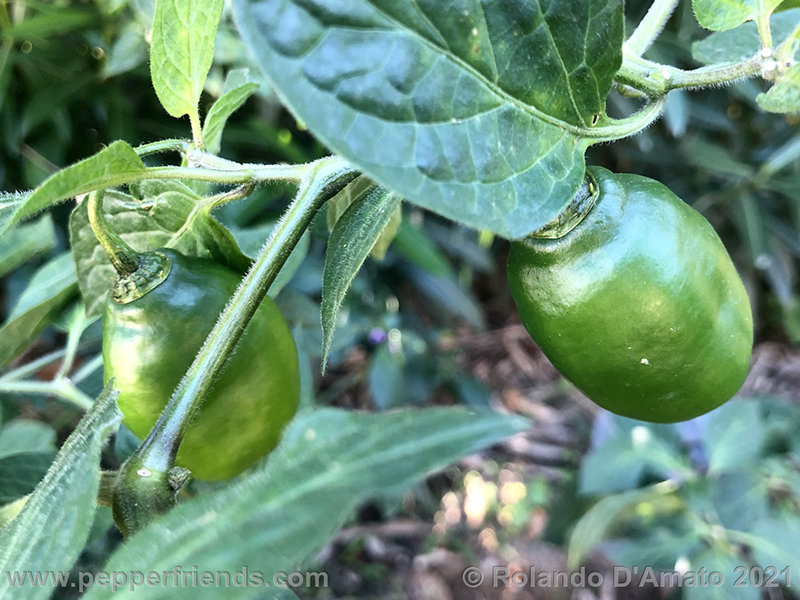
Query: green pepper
[[150, 340], [638, 304]]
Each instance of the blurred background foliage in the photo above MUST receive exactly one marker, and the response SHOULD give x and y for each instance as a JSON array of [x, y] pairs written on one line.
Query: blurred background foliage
[[434, 322]]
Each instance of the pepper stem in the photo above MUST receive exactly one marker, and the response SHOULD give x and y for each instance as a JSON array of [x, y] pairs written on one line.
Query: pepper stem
[[124, 258]]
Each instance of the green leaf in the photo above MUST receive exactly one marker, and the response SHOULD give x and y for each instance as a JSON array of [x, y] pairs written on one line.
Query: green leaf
[[50, 289], [128, 51], [109, 167], [351, 241], [10, 203], [743, 42], [51, 530], [447, 295], [734, 436], [181, 51], [593, 527], [23, 243], [388, 234], [20, 473], [784, 96], [171, 219], [45, 25], [635, 449], [739, 498], [413, 244], [774, 543], [237, 88], [26, 435], [328, 462], [728, 565], [336, 206], [385, 378], [721, 15], [474, 109]]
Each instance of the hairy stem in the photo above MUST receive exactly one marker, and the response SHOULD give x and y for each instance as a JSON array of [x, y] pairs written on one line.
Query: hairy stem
[[654, 79], [650, 26], [60, 388], [172, 145], [157, 453], [197, 129], [615, 129]]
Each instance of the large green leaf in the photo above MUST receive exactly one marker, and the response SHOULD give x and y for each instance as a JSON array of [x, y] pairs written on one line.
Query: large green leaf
[[329, 461], [474, 109]]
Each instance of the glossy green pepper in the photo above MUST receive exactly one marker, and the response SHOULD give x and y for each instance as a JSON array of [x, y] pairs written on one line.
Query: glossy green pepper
[[149, 342], [639, 305]]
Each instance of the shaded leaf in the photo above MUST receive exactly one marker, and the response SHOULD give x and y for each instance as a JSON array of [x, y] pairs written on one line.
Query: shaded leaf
[[447, 295], [49, 290], [23, 243], [728, 565], [620, 462], [743, 42], [328, 462], [598, 521], [128, 51], [413, 244], [773, 542], [26, 435], [784, 96], [385, 378], [734, 436], [10, 203], [20, 473], [721, 15], [51, 530], [49, 23]]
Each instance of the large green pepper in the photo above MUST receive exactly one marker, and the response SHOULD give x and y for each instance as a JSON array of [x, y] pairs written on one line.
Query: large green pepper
[[639, 305], [149, 342]]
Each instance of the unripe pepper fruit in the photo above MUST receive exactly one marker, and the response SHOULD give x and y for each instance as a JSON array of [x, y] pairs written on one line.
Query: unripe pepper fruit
[[149, 342], [639, 305]]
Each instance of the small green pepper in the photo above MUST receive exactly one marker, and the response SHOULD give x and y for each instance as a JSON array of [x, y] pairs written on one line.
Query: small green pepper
[[150, 341], [639, 304]]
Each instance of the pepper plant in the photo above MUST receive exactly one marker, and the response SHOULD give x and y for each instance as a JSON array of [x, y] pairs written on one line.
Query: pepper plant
[[481, 112]]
